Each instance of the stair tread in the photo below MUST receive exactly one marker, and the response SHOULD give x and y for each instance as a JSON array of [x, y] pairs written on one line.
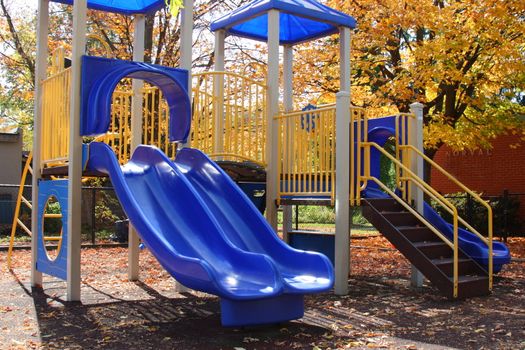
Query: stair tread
[[388, 212], [444, 261], [408, 228], [465, 279], [428, 244]]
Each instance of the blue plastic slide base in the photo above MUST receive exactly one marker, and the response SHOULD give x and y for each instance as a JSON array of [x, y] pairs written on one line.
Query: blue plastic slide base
[[279, 309]]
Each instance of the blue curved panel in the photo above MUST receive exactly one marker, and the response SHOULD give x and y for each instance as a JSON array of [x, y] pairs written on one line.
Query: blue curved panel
[[57, 267], [100, 77], [300, 20], [208, 235], [125, 7]]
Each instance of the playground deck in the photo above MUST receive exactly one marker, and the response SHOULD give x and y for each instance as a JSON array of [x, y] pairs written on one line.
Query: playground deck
[[381, 311]]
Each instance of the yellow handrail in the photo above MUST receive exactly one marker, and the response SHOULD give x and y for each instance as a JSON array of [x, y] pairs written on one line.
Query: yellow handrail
[[488, 241], [429, 191], [20, 199], [104, 43]]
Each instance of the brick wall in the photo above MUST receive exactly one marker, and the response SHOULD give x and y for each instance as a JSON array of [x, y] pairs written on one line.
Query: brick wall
[[486, 171]]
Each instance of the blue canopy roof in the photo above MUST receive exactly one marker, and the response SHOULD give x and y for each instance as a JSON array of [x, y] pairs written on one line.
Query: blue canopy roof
[[300, 20], [125, 7]]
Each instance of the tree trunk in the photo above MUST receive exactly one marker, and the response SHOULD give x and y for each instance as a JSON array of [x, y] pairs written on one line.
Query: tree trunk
[[148, 38]]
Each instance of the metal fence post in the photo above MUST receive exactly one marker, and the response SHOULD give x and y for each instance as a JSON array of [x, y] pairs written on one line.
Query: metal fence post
[[469, 208], [93, 213], [505, 231]]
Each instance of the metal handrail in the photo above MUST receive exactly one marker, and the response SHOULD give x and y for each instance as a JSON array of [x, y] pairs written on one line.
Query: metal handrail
[[487, 241], [429, 191]]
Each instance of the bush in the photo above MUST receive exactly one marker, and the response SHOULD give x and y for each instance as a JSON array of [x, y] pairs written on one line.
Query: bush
[[476, 214]]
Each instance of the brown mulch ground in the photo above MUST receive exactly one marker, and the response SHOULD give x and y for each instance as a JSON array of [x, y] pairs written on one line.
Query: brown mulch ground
[[381, 310]]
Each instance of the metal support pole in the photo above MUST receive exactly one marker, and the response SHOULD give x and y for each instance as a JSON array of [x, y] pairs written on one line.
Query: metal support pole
[[342, 194], [273, 109], [417, 163], [41, 73], [342, 167], [218, 91], [288, 107], [297, 217], [136, 137], [186, 60], [74, 218], [93, 217]]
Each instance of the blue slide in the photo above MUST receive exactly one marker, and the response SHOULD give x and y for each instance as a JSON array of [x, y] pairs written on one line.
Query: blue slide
[[209, 236]]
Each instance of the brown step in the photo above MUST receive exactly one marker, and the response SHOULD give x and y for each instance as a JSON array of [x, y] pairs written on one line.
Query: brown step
[[386, 204], [401, 218], [465, 266], [434, 250], [418, 234], [471, 286]]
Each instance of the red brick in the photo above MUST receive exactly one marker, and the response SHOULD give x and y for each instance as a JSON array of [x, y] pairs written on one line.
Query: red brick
[[487, 171]]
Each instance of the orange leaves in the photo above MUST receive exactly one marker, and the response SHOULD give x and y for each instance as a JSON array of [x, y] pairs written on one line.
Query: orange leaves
[[463, 59]]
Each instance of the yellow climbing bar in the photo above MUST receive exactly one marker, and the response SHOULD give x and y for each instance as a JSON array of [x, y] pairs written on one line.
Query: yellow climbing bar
[[487, 240], [427, 189], [19, 200]]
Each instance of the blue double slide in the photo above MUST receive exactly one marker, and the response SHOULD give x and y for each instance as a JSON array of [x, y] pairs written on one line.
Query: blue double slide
[[210, 237]]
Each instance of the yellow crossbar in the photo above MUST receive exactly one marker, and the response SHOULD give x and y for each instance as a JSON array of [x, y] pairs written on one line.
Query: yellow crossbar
[[20, 198]]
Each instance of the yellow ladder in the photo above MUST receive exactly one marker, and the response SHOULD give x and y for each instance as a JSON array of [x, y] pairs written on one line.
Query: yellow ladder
[[16, 219]]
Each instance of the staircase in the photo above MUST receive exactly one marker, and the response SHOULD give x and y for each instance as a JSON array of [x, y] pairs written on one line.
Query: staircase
[[425, 250]]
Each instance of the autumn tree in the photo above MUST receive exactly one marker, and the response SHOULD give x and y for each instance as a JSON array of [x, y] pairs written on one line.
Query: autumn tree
[[464, 60], [17, 53]]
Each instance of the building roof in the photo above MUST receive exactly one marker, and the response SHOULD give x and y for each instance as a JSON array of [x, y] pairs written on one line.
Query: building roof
[[125, 7], [300, 20]]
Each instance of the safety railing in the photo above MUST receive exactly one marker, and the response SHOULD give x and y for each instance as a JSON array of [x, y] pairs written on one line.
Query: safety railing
[[306, 151], [55, 118], [229, 116], [408, 151], [404, 136], [407, 180], [412, 179], [155, 123], [358, 134]]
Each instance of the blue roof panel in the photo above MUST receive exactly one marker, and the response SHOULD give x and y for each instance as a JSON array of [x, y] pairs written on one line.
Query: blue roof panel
[[300, 20], [125, 7]]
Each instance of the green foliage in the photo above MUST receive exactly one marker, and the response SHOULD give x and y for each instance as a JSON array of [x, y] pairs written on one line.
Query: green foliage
[[315, 214], [388, 170], [506, 215], [52, 226], [323, 215]]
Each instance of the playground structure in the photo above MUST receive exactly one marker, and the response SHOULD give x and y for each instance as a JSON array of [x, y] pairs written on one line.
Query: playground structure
[[182, 203]]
